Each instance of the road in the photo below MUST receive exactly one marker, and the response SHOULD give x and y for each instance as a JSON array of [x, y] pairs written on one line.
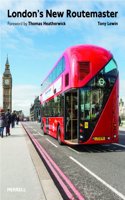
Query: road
[[97, 171]]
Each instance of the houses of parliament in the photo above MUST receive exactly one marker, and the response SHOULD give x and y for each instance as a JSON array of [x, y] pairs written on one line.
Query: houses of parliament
[[7, 87]]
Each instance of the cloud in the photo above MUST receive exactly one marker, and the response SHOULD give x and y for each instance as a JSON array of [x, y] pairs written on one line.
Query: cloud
[[23, 96], [20, 4], [72, 23], [107, 39], [6, 4]]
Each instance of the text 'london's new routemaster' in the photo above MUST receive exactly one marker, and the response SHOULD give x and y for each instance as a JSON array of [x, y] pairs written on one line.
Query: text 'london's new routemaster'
[[79, 97]]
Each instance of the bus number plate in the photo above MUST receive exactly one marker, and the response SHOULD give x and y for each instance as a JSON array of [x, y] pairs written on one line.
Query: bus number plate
[[99, 138]]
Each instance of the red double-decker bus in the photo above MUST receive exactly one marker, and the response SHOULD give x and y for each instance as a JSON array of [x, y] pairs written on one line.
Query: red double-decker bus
[[80, 97]]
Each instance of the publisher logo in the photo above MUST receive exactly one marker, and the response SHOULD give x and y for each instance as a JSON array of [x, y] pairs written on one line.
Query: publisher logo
[[16, 189]]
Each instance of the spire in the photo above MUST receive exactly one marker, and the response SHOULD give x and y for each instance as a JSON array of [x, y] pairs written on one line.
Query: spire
[[7, 61], [7, 67]]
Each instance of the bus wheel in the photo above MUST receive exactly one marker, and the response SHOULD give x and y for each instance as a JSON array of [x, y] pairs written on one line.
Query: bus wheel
[[43, 130], [42, 126], [59, 136]]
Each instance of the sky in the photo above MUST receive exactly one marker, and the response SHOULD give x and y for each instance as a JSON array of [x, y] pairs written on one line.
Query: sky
[[33, 50]]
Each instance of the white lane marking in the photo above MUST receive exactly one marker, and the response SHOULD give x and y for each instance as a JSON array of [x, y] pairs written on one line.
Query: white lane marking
[[38, 133], [73, 150], [121, 145], [41, 134], [98, 178], [35, 134], [51, 143]]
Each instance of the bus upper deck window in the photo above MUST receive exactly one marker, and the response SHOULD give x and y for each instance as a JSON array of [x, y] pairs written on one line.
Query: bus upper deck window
[[66, 80]]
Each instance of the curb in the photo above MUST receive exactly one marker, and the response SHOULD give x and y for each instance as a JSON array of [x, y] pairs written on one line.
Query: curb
[[68, 190]]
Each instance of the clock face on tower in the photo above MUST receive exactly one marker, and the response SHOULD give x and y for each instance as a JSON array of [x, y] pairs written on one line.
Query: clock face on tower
[[6, 81]]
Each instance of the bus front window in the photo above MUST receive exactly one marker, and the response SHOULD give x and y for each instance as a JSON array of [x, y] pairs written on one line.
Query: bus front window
[[91, 103], [93, 97], [95, 94]]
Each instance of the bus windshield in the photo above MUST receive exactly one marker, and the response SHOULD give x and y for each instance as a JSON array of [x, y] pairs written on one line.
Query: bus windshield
[[95, 94]]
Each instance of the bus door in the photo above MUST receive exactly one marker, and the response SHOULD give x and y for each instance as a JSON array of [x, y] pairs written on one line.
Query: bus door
[[71, 115]]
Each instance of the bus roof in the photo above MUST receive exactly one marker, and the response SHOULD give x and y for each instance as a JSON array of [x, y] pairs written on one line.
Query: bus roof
[[76, 50]]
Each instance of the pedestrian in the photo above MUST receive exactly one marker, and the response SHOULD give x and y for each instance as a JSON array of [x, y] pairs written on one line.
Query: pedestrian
[[13, 119], [2, 122], [17, 119], [7, 122], [119, 120]]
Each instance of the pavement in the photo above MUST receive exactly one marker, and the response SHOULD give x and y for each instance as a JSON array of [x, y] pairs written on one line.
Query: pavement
[[23, 175]]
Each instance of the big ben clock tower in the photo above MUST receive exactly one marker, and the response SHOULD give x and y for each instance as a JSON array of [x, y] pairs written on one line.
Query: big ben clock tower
[[7, 88]]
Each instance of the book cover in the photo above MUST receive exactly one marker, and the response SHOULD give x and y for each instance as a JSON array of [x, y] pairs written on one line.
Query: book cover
[[33, 36]]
